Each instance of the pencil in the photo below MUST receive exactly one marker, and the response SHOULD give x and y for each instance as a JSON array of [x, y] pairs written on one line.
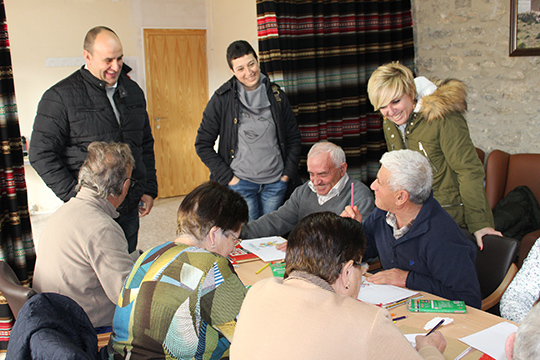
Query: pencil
[[261, 269], [435, 327], [352, 194], [399, 318]]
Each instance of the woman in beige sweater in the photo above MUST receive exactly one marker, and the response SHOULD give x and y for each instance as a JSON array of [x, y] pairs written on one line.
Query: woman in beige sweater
[[313, 313]]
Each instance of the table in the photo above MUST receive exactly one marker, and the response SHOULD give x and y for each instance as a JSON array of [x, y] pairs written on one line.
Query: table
[[464, 324]]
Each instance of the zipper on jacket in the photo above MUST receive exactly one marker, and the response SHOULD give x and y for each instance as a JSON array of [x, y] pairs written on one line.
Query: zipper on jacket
[[421, 147], [451, 205]]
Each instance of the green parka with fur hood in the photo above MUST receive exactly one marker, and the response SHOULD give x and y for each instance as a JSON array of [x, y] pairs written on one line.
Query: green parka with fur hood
[[438, 130]]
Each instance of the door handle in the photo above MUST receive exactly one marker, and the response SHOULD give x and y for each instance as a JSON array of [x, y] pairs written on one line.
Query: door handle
[[158, 119]]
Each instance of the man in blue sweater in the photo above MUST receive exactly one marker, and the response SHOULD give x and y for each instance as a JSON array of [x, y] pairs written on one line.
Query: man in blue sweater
[[420, 246]]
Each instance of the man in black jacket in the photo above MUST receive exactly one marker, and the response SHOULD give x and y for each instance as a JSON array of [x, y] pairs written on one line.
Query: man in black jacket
[[98, 102]]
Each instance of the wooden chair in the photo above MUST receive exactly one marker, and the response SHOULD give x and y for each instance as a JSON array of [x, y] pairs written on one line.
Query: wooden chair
[[103, 339], [495, 268]]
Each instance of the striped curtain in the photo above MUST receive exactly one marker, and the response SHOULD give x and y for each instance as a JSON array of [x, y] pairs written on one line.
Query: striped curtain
[[322, 52], [16, 244]]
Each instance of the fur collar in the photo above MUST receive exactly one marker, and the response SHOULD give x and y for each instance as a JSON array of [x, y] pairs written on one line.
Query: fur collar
[[450, 96]]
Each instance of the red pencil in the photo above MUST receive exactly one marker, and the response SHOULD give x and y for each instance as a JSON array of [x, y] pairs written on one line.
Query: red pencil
[[352, 194]]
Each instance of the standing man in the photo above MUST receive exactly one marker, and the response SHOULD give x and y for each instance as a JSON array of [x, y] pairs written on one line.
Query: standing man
[[82, 252], [259, 140], [98, 102]]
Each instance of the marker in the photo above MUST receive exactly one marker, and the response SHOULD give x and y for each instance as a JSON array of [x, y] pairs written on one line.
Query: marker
[[435, 327], [261, 269], [352, 194], [399, 318]]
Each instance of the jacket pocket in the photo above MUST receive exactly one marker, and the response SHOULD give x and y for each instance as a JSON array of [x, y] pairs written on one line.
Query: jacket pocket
[[423, 151]]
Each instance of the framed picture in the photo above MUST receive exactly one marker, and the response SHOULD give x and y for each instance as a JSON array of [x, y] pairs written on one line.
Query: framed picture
[[524, 27]]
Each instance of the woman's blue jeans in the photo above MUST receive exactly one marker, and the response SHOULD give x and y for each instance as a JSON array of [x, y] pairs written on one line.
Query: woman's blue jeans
[[261, 198]]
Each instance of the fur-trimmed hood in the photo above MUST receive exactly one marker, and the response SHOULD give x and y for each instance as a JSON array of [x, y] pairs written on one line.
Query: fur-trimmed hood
[[450, 96]]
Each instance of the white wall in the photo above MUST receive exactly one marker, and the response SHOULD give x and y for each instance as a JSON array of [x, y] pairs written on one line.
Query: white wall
[[228, 20], [55, 29]]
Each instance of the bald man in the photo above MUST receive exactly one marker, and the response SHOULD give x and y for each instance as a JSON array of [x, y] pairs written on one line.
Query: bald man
[[98, 102]]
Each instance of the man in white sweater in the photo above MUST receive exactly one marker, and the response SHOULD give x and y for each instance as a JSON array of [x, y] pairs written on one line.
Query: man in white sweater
[[329, 189], [82, 252]]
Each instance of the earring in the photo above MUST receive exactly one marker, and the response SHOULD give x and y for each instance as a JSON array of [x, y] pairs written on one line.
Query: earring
[[347, 286]]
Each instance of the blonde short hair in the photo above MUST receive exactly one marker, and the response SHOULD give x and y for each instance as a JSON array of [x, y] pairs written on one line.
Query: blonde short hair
[[390, 81]]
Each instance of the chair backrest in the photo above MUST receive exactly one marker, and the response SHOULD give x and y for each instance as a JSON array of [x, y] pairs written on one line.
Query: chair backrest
[[15, 293], [481, 155], [495, 267], [524, 169], [505, 172]]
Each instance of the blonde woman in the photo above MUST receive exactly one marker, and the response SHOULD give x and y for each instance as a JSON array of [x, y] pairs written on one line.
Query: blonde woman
[[428, 117]]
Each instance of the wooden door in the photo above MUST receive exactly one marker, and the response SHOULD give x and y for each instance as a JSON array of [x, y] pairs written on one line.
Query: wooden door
[[177, 92]]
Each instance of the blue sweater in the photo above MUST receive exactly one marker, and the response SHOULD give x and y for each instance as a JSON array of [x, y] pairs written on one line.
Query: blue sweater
[[439, 257]]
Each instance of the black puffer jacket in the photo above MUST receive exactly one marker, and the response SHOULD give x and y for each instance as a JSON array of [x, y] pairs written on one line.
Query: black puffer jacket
[[75, 112], [220, 119]]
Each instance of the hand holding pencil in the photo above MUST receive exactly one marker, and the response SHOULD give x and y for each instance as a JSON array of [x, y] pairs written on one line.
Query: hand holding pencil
[[434, 339], [352, 212]]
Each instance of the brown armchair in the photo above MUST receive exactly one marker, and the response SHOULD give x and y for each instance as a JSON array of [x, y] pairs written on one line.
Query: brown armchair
[[505, 172], [15, 293]]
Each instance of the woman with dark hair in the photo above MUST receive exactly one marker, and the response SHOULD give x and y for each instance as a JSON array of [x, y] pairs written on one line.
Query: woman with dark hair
[[313, 313], [259, 140], [181, 299]]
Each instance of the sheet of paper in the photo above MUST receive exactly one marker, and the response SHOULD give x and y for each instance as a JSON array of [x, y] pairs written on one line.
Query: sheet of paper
[[412, 338], [383, 294], [265, 248], [491, 340], [454, 347]]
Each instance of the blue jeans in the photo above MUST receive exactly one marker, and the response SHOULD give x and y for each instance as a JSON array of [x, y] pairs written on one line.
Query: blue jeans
[[261, 198]]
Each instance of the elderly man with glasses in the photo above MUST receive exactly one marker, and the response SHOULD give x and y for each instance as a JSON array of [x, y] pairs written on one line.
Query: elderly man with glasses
[[82, 252]]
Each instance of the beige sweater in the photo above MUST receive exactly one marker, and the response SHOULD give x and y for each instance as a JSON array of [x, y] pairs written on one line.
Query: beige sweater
[[82, 253], [298, 319]]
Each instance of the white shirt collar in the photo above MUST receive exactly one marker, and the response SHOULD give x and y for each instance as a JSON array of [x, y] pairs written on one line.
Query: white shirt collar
[[335, 191]]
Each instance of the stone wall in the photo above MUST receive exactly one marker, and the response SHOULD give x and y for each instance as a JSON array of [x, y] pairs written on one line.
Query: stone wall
[[468, 40]]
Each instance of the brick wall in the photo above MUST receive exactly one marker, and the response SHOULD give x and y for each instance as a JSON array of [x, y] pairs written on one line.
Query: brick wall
[[468, 40]]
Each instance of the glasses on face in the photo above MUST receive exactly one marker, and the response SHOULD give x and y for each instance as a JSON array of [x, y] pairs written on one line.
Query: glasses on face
[[132, 182], [236, 239], [363, 265]]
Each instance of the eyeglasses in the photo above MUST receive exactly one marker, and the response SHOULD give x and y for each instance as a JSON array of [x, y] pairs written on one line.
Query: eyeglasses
[[236, 239], [132, 182], [363, 265]]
